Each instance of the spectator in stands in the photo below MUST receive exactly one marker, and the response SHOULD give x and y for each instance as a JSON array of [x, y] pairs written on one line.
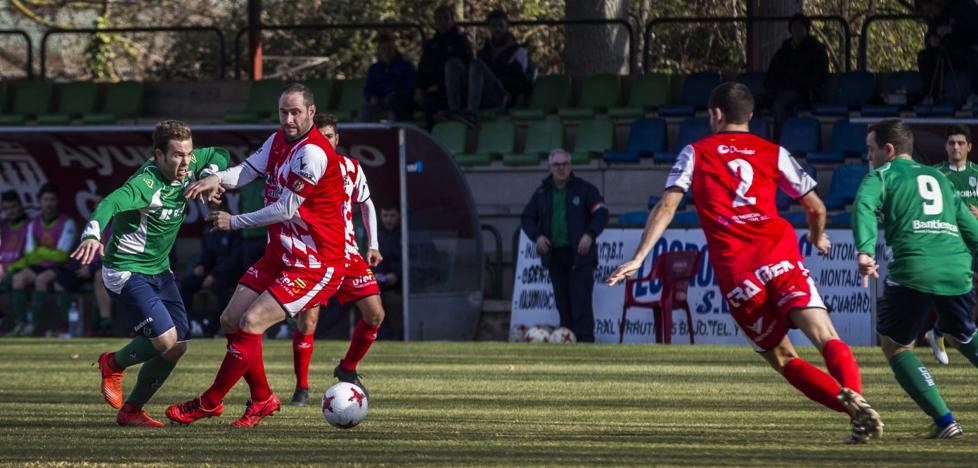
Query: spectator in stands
[[50, 238], [389, 271], [13, 239], [564, 217], [797, 71], [218, 269], [448, 43], [500, 73], [950, 44], [390, 84], [72, 275]]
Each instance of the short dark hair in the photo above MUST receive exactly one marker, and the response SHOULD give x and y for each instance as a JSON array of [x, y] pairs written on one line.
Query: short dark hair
[[385, 37], [324, 120], [498, 14], [308, 98], [10, 196], [894, 132], [169, 130], [800, 18], [446, 8], [734, 100], [391, 205], [48, 188], [958, 129]]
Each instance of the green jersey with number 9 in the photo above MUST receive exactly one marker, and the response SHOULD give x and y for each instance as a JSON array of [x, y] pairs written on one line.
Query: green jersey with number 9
[[929, 228]]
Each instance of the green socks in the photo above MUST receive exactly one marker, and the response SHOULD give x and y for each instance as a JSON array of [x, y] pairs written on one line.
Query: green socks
[[918, 383], [970, 350], [18, 299], [151, 377], [136, 351], [37, 305], [64, 304]]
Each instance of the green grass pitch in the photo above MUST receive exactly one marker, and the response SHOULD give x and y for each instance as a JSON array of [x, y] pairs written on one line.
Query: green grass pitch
[[480, 404]]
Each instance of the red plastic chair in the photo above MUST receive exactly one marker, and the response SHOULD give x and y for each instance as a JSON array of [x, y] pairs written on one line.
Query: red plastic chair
[[676, 270]]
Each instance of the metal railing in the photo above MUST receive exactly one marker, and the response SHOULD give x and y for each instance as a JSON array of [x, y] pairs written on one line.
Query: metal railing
[[495, 268], [651, 25], [209, 29], [314, 27], [864, 38], [632, 53], [29, 67]]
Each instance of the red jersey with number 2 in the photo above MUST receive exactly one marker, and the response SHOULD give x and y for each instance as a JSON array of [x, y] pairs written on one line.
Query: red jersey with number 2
[[734, 177]]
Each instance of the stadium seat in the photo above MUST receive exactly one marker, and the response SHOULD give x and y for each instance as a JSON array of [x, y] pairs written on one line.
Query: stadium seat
[[262, 99], [696, 90], [754, 81], [541, 137], [495, 139], [350, 99], [796, 218], [782, 200], [801, 135], [550, 93], [848, 139], [690, 130], [599, 93], [322, 89], [75, 99], [686, 218], [633, 218], [647, 92], [845, 182], [902, 86], [645, 137], [4, 94], [593, 138], [654, 200], [852, 90], [31, 98], [676, 270], [957, 88], [760, 127], [934, 110], [123, 99], [452, 135], [841, 219]]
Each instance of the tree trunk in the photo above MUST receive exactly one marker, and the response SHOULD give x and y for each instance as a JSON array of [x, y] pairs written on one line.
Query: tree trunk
[[766, 37], [596, 49]]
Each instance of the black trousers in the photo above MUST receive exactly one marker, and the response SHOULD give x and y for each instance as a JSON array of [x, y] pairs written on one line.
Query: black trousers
[[573, 288]]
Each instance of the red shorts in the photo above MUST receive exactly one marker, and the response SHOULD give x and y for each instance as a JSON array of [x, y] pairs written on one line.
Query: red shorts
[[296, 289], [760, 300], [358, 283]]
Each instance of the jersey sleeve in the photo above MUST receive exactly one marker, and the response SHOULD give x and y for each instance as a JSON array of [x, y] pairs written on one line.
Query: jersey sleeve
[[869, 200], [681, 174], [135, 194], [306, 167], [792, 179], [208, 161], [259, 159], [361, 192]]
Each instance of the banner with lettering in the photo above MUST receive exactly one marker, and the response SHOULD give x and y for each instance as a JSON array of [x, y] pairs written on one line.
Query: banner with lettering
[[835, 276]]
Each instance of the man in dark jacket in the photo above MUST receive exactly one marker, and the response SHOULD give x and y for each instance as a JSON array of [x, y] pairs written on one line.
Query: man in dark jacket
[[218, 269], [950, 44], [390, 84], [796, 71], [564, 217], [500, 73], [447, 44]]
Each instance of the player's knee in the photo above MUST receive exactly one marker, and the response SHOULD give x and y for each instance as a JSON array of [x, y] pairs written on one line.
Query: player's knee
[[307, 325], [251, 322], [175, 352], [229, 324], [374, 316], [165, 342]]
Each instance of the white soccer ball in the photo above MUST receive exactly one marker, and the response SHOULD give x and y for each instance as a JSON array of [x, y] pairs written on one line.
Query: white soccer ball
[[517, 333], [563, 335], [344, 405], [537, 334]]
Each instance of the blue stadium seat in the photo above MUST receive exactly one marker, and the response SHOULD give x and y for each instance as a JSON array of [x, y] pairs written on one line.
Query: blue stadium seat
[[760, 128], [880, 110], [841, 219], [801, 135], [654, 199], [796, 218], [957, 87], [685, 218], [690, 131], [848, 139], [782, 200], [934, 110], [845, 182], [645, 138], [696, 90], [852, 90], [754, 81], [633, 218], [906, 83]]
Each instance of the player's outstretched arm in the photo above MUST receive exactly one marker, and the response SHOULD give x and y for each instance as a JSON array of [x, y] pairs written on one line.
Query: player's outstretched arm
[[87, 250], [815, 211], [657, 222]]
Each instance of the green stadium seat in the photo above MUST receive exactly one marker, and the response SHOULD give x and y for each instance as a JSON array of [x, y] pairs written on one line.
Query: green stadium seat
[[122, 100], [593, 138], [4, 94], [75, 99], [262, 102], [322, 90], [452, 135], [541, 137], [647, 92], [350, 99], [599, 93], [495, 140], [31, 98], [549, 94]]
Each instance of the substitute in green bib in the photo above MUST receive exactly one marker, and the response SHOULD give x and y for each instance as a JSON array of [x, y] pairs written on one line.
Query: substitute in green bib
[[146, 213], [933, 237]]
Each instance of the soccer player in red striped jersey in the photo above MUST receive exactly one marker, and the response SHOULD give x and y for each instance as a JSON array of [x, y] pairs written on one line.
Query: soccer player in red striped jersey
[[733, 176]]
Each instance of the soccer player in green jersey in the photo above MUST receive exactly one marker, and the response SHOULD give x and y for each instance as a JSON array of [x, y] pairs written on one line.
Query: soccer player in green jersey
[[963, 175], [146, 214], [933, 236]]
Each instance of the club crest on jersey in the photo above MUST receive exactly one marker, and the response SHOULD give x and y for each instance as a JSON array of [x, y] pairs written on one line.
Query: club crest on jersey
[[724, 149], [297, 186], [148, 181]]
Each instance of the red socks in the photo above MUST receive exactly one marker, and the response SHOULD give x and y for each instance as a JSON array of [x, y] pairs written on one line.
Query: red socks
[[242, 352], [814, 383], [842, 366], [301, 356], [363, 336], [255, 376]]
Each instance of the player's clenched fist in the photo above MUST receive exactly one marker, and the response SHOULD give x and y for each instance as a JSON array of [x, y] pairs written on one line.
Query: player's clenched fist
[[221, 220]]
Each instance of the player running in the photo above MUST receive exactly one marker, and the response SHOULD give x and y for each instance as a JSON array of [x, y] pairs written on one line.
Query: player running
[[933, 236], [146, 214], [359, 284], [304, 262], [734, 176]]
